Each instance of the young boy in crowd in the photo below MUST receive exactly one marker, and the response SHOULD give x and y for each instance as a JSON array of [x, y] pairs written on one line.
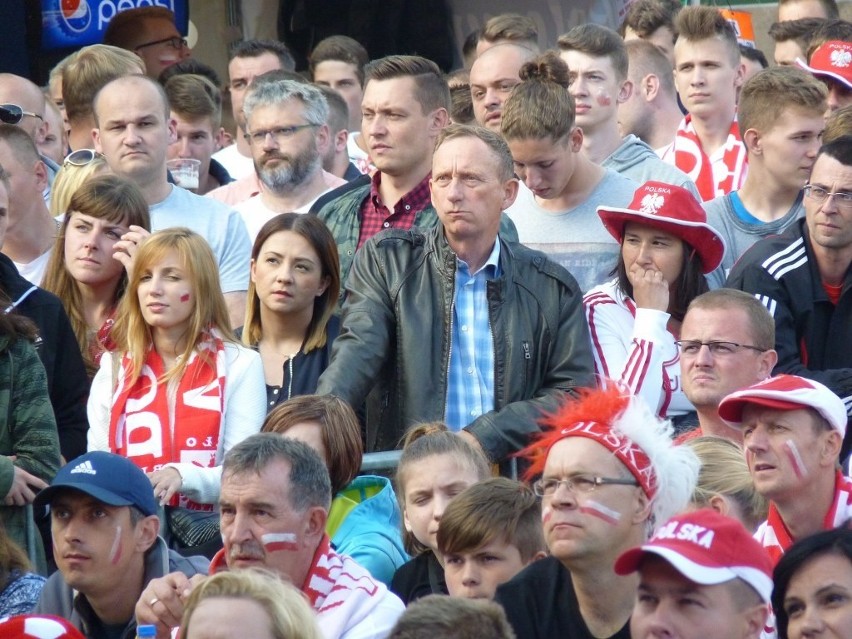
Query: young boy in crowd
[[487, 535]]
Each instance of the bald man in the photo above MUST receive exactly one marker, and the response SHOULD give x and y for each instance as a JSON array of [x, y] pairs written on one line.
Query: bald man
[[492, 78]]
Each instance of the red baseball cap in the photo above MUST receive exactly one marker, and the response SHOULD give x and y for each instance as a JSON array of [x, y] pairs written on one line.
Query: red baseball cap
[[38, 627], [707, 548], [831, 59], [671, 209], [786, 392]]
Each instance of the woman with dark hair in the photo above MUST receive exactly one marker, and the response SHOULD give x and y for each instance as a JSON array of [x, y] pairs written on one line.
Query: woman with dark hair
[[83, 270], [812, 595], [666, 249], [29, 444], [364, 521], [292, 297]]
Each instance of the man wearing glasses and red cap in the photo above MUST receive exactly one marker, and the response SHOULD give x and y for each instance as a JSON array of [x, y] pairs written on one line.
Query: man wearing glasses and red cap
[[701, 576], [792, 431]]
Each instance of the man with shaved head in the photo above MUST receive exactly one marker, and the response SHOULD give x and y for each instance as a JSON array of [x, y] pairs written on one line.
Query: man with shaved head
[[22, 103], [492, 78], [134, 130]]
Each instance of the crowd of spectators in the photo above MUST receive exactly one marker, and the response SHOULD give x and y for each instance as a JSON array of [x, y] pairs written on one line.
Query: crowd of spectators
[[588, 301]]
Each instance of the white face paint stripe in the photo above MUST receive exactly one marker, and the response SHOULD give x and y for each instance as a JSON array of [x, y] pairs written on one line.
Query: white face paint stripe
[[114, 552], [795, 458], [596, 509]]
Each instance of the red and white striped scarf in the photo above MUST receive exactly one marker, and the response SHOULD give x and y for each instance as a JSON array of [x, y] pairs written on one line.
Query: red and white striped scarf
[[142, 427], [775, 537], [726, 172]]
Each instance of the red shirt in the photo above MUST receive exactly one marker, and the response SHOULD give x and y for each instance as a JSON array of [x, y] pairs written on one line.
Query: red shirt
[[375, 216]]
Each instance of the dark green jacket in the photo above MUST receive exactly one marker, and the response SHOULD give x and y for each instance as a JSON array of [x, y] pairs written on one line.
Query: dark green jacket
[[27, 430]]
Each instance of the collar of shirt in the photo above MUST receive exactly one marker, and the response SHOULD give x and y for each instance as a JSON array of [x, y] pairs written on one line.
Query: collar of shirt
[[492, 263], [416, 199]]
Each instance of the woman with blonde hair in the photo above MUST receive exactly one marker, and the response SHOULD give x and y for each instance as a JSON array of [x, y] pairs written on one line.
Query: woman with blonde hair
[[76, 169], [724, 481], [179, 391], [83, 270], [248, 603]]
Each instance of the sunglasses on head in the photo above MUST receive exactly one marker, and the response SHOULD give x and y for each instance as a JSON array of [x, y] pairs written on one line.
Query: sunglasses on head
[[12, 114], [81, 157]]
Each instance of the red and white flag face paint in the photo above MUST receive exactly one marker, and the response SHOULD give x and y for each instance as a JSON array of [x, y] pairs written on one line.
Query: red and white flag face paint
[[115, 550], [546, 514], [273, 542], [795, 457], [597, 509]]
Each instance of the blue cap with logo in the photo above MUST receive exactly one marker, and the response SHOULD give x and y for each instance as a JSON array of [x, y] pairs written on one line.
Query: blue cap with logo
[[112, 479]]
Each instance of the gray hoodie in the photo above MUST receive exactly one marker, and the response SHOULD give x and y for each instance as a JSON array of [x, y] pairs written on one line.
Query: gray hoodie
[[637, 160]]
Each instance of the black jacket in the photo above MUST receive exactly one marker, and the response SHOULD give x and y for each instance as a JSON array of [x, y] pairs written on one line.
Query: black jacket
[[397, 331], [67, 382], [813, 337]]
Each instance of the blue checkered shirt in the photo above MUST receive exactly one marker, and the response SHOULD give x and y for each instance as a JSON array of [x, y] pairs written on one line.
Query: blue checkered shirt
[[470, 384]]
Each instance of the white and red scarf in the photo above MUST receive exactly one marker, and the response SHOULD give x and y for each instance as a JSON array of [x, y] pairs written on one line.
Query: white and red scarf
[[775, 537], [144, 429], [724, 173]]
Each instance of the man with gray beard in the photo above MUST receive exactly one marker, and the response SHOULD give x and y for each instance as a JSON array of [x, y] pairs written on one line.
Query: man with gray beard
[[288, 136]]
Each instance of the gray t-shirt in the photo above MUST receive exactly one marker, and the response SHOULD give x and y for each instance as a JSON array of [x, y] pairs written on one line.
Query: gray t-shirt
[[576, 239], [738, 234]]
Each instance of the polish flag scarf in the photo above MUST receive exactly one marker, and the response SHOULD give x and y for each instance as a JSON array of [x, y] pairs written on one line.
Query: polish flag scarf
[[775, 537], [725, 173], [145, 429]]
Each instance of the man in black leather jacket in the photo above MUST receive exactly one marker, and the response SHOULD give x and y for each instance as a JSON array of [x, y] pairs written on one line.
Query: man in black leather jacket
[[402, 325]]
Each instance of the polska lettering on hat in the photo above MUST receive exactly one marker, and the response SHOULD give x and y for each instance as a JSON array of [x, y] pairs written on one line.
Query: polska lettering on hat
[[674, 210], [112, 479], [786, 392], [706, 548], [832, 59]]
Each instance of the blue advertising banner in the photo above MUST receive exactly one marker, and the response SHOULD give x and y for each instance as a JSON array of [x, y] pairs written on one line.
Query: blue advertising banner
[[77, 23]]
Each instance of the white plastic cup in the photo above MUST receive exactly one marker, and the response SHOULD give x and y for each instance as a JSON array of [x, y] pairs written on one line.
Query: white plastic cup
[[185, 172]]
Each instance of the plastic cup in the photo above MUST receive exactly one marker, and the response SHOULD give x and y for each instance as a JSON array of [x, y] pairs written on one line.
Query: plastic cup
[[185, 172]]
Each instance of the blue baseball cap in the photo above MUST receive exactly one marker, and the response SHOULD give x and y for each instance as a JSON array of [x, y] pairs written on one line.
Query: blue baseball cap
[[112, 479]]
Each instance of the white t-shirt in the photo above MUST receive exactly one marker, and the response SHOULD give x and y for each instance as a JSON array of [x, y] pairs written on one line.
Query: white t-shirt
[[221, 226], [34, 271], [255, 213], [236, 164]]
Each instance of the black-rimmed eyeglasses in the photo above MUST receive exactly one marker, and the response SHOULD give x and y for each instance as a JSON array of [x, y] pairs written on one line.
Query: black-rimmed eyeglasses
[[578, 484], [691, 347], [12, 114], [175, 42]]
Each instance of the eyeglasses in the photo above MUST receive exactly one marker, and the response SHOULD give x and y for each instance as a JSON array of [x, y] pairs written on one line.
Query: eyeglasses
[[691, 347], [842, 199], [12, 114], [580, 484], [175, 42], [81, 157], [279, 134]]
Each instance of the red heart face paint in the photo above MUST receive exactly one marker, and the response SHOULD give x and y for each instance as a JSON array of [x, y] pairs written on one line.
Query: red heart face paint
[[184, 297]]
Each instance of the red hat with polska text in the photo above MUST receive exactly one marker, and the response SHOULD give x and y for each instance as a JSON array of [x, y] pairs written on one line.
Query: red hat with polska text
[[832, 59], [706, 548]]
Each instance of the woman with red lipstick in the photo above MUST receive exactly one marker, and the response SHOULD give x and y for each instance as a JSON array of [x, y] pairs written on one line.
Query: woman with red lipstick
[[178, 392], [667, 248], [290, 321], [83, 270]]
